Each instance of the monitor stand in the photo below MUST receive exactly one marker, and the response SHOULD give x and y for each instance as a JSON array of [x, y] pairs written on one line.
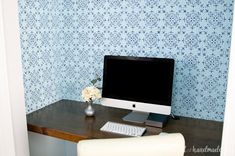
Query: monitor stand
[[136, 116]]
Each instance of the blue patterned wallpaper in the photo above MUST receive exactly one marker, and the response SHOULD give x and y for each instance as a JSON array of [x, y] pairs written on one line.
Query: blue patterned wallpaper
[[64, 42], [42, 52]]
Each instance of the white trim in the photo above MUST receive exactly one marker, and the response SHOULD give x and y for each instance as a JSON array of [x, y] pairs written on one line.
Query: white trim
[[139, 106], [228, 141], [7, 146], [14, 138]]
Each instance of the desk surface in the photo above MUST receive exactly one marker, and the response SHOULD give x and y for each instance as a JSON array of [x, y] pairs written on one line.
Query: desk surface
[[66, 120]]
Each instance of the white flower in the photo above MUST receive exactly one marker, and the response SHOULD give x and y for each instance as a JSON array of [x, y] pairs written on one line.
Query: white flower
[[91, 93]]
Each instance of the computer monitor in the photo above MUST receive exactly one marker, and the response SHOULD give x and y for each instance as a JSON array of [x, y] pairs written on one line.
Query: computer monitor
[[141, 84]]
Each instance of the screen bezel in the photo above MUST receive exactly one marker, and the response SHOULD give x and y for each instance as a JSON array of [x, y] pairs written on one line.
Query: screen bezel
[[147, 59], [136, 105]]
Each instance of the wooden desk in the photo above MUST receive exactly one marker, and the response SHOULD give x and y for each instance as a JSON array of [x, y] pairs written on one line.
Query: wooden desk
[[66, 120]]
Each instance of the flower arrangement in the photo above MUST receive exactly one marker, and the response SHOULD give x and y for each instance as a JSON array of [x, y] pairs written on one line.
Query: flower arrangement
[[90, 94]]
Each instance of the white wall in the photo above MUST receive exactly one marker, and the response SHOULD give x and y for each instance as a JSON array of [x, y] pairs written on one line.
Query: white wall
[[70, 148], [41, 145], [7, 146], [13, 131], [228, 140]]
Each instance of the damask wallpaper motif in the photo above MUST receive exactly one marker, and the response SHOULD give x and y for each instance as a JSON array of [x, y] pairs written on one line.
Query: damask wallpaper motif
[[64, 42]]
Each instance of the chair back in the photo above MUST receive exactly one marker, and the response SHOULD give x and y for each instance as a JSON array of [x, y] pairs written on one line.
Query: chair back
[[157, 145]]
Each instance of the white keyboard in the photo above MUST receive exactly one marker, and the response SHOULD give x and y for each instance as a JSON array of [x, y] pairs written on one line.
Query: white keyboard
[[123, 129]]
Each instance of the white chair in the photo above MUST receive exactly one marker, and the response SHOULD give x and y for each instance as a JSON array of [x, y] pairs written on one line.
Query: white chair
[[157, 145]]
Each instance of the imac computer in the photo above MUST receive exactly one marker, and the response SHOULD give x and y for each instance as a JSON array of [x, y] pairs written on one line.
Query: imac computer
[[141, 84]]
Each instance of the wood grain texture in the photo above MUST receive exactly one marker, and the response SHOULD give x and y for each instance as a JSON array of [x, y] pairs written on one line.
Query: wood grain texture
[[66, 120]]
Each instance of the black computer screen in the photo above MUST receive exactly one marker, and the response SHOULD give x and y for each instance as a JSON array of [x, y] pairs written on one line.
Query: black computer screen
[[147, 80]]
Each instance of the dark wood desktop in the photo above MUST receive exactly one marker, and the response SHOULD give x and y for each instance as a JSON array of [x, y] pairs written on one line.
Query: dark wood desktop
[[66, 120]]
